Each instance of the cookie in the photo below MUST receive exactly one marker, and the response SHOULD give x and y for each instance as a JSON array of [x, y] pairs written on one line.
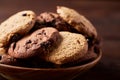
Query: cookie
[[15, 26], [72, 47], [47, 19], [77, 21], [37, 43]]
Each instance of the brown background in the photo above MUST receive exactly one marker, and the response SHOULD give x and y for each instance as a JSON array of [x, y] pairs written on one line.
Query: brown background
[[105, 16]]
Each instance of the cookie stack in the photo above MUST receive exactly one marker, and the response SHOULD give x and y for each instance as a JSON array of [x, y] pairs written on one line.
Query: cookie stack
[[60, 39]]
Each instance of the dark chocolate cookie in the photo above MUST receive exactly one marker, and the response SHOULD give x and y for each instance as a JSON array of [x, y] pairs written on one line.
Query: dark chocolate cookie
[[37, 43], [47, 19]]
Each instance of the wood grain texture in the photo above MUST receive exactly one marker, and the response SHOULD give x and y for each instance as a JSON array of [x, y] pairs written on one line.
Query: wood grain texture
[[105, 16]]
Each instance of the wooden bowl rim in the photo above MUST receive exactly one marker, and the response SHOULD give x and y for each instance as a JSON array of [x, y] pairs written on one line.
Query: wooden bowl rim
[[67, 68]]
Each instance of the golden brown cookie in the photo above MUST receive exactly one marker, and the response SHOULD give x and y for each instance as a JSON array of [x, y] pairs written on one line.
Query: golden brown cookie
[[72, 47], [17, 25], [78, 21]]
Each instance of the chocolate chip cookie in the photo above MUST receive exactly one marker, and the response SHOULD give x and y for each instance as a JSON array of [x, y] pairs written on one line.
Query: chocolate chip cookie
[[15, 26], [38, 43], [77, 21], [72, 47]]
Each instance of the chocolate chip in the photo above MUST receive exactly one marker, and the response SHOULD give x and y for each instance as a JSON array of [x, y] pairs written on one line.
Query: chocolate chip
[[78, 41], [39, 33], [24, 14], [44, 33], [40, 38], [28, 41], [29, 15], [15, 37], [45, 45]]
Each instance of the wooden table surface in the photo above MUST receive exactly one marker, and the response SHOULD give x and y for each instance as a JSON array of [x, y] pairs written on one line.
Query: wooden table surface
[[105, 16]]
